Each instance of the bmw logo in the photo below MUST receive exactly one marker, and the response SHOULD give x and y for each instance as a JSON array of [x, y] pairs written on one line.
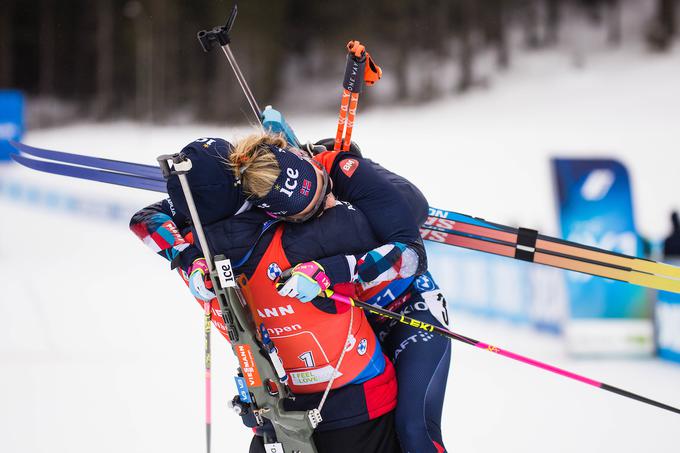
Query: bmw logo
[[363, 347], [425, 283], [273, 271]]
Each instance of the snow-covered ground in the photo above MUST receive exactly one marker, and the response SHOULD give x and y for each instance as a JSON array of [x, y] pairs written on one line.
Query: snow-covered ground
[[101, 347]]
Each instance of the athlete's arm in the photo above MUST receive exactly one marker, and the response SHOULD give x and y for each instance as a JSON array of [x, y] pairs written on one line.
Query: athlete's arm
[[162, 229], [391, 216]]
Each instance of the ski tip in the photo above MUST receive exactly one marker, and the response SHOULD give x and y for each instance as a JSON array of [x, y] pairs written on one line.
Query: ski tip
[[14, 144], [23, 148], [20, 159]]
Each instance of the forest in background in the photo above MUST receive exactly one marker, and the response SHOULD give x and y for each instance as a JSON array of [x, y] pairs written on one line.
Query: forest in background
[[140, 59]]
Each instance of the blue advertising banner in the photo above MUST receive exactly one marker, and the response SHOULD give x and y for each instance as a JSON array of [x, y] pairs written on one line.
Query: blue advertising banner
[[595, 208], [11, 120]]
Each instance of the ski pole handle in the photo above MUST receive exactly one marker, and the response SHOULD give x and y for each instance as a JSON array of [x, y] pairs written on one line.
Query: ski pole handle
[[283, 278], [182, 166], [355, 68], [360, 69], [219, 36]]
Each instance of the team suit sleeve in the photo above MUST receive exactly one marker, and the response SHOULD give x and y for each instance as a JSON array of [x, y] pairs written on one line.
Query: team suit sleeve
[[368, 187], [163, 230]]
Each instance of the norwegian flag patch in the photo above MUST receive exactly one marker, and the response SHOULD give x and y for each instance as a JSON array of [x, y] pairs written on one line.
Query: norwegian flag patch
[[306, 187]]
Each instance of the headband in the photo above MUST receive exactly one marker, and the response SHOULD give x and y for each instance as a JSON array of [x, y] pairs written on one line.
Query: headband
[[295, 186]]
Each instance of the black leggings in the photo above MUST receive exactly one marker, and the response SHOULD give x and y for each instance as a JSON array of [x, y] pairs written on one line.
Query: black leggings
[[374, 436]]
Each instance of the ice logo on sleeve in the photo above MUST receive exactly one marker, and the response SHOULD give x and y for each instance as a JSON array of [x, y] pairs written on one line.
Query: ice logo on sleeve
[[273, 271]]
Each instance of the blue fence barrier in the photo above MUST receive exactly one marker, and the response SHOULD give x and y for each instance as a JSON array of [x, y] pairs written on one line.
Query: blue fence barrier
[[49, 198]]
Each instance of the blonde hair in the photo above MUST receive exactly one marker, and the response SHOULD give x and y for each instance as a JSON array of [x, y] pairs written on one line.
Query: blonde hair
[[254, 164]]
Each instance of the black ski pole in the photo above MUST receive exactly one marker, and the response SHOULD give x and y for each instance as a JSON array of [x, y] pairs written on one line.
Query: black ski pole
[[505, 353], [479, 344]]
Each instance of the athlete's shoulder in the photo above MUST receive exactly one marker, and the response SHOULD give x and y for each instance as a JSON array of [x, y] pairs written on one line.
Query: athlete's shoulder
[[346, 161]]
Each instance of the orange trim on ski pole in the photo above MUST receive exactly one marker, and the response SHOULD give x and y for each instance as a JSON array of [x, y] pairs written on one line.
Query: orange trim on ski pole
[[342, 119], [353, 103]]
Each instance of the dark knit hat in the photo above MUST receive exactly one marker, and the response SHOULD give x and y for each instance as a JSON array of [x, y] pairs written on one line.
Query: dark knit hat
[[212, 183]]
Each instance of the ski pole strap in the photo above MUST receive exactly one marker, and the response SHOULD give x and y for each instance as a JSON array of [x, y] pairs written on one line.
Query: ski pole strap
[[526, 244], [372, 72]]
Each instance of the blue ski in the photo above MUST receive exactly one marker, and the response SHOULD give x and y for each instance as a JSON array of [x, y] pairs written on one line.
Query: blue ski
[[92, 174], [148, 171], [458, 217]]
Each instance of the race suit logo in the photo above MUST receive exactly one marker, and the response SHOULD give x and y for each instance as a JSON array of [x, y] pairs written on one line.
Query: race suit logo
[[349, 166], [273, 271], [363, 347], [248, 367], [275, 312], [276, 331], [311, 377], [424, 283], [225, 273]]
